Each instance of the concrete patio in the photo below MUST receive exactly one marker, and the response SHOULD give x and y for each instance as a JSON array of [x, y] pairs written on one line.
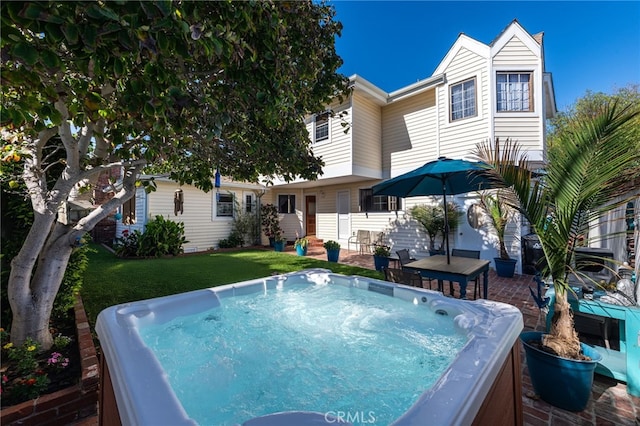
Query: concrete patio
[[610, 403]]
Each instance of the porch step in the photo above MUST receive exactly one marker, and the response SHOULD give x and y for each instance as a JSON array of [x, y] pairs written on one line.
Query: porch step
[[315, 242]]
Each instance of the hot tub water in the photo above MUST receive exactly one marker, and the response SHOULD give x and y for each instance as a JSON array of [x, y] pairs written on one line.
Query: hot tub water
[[316, 348]]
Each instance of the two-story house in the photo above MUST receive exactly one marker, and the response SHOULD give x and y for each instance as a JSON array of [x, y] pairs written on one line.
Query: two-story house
[[477, 92]]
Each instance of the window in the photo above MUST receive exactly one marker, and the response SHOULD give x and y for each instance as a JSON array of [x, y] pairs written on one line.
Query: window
[[249, 206], [129, 211], [224, 205], [513, 91], [463, 99], [378, 203], [322, 127], [286, 203]]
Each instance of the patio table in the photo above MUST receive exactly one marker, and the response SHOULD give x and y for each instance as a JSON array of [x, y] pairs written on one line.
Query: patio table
[[461, 270]]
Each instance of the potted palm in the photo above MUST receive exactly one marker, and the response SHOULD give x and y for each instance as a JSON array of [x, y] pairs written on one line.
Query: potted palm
[[500, 213], [301, 244], [431, 217], [590, 165], [333, 250], [381, 255]]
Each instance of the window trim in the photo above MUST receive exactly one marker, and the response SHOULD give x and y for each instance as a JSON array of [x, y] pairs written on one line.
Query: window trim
[[314, 130], [129, 210], [531, 85], [393, 202], [216, 200], [292, 206], [475, 99]]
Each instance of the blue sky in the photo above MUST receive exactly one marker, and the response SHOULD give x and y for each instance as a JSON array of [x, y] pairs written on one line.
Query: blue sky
[[588, 45]]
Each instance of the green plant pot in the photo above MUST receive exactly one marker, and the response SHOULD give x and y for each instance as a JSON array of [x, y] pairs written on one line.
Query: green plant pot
[[562, 382], [380, 262], [505, 267], [333, 255], [279, 245]]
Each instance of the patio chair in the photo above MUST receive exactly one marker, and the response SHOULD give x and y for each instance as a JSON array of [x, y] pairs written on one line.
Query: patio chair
[[404, 257], [377, 239], [401, 276], [361, 240], [471, 254]]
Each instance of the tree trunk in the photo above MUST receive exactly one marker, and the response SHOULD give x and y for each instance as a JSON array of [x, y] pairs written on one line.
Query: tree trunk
[[563, 339], [31, 296]]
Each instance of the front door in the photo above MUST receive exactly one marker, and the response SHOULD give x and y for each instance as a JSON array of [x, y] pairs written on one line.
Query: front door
[[343, 215], [310, 215]]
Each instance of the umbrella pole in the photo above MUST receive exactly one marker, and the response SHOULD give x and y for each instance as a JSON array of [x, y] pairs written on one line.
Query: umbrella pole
[[446, 222]]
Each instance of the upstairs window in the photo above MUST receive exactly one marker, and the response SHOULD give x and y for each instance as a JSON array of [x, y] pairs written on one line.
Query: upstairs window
[[321, 132], [463, 99], [378, 203], [513, 91], [286, 203], [224, 205]]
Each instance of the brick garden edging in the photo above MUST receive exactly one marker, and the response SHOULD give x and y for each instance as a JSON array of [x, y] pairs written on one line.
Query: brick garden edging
[[67, 405]]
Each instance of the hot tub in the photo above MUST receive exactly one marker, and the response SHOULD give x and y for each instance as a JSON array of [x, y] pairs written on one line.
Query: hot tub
[[479, 384]]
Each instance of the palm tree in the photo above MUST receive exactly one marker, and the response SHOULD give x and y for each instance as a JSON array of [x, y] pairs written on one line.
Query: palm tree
[[593, 161]]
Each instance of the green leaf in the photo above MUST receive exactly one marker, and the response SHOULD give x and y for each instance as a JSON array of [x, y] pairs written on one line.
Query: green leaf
[[163, 42], [26, 53], [164, 6], [70, 32], [108, 28], [89, 36], [125, 40], [53, 33], [50, 59], [109, 14], [148, 109], [217, 45], [118, 67]]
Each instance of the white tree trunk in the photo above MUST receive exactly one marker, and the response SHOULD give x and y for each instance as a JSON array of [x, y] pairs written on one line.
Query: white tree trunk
[[31, 295]]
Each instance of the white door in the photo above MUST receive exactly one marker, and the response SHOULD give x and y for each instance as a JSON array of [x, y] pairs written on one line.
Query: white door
[[343, 215], [472, 234]]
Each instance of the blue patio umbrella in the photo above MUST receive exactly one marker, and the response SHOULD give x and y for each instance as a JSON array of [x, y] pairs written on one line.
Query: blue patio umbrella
[[444, 176]]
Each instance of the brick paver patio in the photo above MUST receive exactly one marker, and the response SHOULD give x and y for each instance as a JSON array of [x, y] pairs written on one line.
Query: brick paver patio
[[610, 403]]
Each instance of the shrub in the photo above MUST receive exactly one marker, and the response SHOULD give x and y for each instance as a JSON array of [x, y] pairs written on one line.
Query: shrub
[[331, 245], [234, 240], [127, 245], [270, 220], [161, 237]]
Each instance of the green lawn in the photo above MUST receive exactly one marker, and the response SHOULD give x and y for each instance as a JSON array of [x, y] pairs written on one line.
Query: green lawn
[[110, 280]]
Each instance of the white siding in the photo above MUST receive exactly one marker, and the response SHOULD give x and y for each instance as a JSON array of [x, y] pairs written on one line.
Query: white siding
[[409, 133], [459, 138], [203, 229], [366, 133], [527, 128], [515, 53], [337, 151]]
